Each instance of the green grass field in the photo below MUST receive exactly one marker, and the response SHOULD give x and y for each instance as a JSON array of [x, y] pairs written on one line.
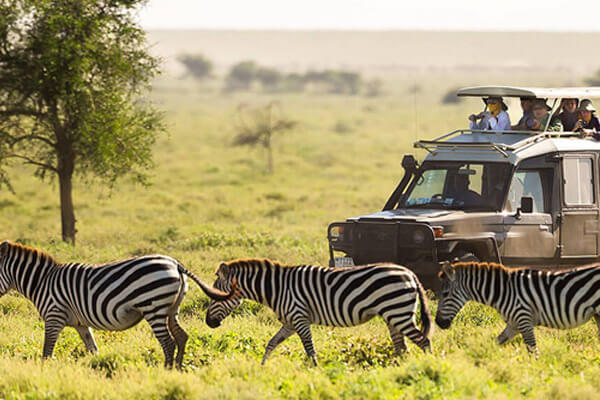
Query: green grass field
[[211, 202]]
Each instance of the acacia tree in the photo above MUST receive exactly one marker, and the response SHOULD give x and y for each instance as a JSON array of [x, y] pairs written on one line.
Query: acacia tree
[[197, 65], [256, 127], [72, 73]]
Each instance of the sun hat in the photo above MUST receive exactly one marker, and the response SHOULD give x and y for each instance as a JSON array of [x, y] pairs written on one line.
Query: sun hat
[[586, 105]]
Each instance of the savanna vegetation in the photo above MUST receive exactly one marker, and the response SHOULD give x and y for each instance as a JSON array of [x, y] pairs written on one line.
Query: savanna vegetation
[[212, 201]]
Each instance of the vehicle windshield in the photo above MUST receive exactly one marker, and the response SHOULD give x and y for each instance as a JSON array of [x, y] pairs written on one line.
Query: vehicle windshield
[[459, 186]]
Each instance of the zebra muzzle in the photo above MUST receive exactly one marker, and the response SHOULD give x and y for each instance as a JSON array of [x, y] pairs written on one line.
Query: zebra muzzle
[[443, 323], [213, 322]]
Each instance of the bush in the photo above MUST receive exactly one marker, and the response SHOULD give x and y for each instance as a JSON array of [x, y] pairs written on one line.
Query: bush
[[334, 81], [594, 80], [197, 65], [293, 83], [269, 78], [373, 88], [451, 98], [241, 76]]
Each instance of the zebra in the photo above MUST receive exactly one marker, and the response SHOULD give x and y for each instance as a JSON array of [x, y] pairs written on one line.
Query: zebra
[[524, 297], [307, 294], [114, 296]]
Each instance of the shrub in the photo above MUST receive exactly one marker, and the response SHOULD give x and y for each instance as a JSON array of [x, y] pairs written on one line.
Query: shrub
[[269, 78], [197, 65], [241, 76], [451, 98]]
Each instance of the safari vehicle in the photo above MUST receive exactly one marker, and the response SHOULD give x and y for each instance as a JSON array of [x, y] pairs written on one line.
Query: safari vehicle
[[516, 197]]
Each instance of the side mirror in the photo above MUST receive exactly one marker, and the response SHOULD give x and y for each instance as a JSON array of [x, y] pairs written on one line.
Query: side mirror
[[526, 205], [409, 163]]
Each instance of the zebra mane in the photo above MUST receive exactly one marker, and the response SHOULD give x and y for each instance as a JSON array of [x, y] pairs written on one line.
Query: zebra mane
[[29, 250], [490, 266], [262, 262]]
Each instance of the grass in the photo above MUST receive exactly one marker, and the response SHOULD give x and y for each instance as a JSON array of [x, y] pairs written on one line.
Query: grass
[[211, 202]]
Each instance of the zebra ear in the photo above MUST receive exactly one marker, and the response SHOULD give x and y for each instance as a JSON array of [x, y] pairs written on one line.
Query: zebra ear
[[223, 270], [448, 271], [4, 248]]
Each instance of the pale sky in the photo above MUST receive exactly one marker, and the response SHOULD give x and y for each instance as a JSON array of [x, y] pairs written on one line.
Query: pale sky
[[511, 15]]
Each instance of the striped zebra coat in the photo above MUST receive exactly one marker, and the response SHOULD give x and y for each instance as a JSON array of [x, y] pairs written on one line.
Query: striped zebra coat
[[306, 294], [112, 297], [525, 298]]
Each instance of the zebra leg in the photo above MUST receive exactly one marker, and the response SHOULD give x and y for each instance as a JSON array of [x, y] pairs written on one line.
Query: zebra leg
[[409, 328], [158, 323], [88, 338], [284, 333], [180, 336], [302, 326], [508, 333], [597, 319], [397, 339], [53, 326], [526, 330]]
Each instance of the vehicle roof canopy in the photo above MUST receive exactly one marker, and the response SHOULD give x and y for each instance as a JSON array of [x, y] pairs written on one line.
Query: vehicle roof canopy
[[466, 145], [545, 93]]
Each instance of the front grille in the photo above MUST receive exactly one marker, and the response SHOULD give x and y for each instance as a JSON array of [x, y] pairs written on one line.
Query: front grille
[[385, 241], [378, 240]]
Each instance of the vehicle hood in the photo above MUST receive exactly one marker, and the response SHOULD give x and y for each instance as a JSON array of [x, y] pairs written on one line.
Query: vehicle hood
[[432, 217]]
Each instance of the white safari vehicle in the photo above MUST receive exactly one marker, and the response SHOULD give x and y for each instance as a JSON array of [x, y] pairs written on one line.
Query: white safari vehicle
[[534, 199]]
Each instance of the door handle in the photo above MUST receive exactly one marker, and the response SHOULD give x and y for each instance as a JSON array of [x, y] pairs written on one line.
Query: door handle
[[544, 228]]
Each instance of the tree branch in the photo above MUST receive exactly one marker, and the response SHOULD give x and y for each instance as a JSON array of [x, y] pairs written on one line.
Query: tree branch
[[15, 112], [33, 162], [35, 137]]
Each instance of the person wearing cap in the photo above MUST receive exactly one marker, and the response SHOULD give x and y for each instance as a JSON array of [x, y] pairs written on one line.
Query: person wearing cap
[[588, 123], [526, 121], [568, 115], [496, 118], [541, 113]]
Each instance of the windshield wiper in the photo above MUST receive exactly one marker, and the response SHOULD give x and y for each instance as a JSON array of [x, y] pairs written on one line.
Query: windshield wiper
[[426, 205]]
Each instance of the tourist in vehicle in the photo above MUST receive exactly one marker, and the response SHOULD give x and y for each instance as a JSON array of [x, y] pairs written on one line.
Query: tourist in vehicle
[[568, 113], [496, 118], [464, 195], [541, 113], [526, 121], [588, 123]]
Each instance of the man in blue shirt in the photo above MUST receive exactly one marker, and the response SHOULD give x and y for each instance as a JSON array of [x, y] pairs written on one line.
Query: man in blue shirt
[[527, 120]]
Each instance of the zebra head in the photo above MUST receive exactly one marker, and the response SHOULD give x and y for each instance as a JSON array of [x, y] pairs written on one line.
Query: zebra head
[[452, 297], [5, 281], [218, 310]]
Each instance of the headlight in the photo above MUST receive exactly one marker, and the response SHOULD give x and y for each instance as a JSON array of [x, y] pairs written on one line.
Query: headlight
[[339, 232], [438, 231], [418, 236]]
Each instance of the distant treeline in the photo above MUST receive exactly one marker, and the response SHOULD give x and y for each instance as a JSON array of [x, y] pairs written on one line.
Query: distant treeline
[[594, 80], [247, 75]]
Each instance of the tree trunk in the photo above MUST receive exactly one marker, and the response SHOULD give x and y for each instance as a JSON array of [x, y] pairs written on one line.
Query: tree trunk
[[67, 213], [270, 166]]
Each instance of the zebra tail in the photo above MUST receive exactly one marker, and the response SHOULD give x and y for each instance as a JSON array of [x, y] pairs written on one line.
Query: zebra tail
[[426, 324], [211, 292]]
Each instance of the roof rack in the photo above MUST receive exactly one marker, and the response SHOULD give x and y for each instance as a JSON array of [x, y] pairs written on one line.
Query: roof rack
[[532, 92], [433, 145]]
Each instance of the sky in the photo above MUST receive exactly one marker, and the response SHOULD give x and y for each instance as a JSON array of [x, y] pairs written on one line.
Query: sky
[[469, 15]]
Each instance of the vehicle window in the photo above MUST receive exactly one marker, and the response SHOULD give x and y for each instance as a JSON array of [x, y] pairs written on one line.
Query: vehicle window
[[526, 183], [578, 181], [459, 185], [430, 184]]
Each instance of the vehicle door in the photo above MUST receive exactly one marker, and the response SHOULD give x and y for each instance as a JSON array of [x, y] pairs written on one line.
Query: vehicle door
[[579, 216], [529, 237]]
